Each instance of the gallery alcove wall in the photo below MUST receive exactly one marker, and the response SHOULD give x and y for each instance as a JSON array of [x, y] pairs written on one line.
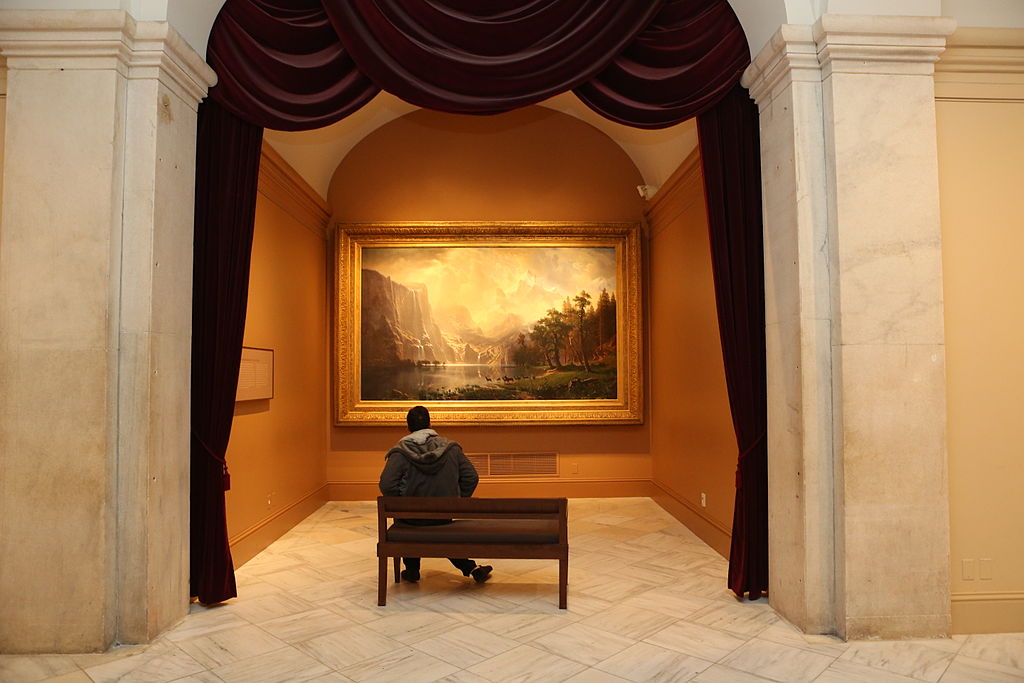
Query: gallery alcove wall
[[539, 164], [533, 164], [277, 447]]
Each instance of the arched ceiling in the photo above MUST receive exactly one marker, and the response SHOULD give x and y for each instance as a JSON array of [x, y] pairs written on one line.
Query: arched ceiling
[[316, 154], [656, 153]]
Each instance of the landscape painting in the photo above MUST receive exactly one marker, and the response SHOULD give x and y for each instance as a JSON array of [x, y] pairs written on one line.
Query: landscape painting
[[488, 323]]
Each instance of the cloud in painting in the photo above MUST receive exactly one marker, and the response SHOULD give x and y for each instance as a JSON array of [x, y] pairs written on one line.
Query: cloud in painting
[[496, 283]]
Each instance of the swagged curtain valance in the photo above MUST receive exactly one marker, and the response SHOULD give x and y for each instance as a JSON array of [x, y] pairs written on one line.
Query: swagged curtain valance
[[303, 64]]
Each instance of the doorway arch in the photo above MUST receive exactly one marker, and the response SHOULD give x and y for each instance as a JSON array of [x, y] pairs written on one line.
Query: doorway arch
[[681, 78]]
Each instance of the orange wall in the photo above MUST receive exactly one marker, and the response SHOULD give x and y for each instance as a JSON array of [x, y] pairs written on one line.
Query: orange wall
[[277, 447], [531, 164], [692, 441]]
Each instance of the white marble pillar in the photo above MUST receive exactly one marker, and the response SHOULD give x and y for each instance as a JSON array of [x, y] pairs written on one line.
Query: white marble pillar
[[859, 527], [786, 83], [95, 317]]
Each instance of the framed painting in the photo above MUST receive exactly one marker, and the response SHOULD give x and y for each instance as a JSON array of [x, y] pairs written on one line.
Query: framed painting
[[488, 323]]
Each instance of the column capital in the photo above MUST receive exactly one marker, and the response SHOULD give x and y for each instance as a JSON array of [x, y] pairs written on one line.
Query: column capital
[[103, 40], [791, 55], [846, 43], [867, 44], [158, 52], [65, 39]]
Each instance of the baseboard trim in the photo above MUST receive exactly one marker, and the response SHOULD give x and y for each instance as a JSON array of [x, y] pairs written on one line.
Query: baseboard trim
[[518, 488], [249, 542], [568, 488], [990, 612], [709, 530]]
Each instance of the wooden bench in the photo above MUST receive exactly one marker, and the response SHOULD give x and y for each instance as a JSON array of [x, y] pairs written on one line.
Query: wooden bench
[[520, 528]]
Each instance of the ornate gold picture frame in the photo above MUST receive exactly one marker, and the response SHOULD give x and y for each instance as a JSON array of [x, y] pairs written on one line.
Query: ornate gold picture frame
[[488, 323]]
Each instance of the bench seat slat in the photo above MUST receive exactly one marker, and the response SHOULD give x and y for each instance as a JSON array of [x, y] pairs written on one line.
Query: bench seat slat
[[488, 550], [469, 514], [478, 531], [507, 505]]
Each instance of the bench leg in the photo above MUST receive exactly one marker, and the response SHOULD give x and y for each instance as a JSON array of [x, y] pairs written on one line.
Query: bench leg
[[382, 581], [398, 570], [563, 581]]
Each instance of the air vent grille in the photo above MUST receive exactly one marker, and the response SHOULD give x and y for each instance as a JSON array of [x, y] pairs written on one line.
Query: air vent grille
[[514, 464]]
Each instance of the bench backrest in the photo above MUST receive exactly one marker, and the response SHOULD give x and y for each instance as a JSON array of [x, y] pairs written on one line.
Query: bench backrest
[[471, 508]]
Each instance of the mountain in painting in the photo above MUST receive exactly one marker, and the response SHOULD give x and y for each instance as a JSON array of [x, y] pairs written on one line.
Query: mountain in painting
[[398, 326], [397, 323]]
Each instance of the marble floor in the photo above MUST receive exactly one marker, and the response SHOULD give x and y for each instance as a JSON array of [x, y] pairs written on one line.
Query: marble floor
[[647, 602]]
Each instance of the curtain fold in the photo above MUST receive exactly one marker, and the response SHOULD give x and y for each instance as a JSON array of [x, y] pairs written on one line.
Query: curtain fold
[[227, 170], [686, 59], [303, 64], [730, 150], [280, 65], [484, 57]]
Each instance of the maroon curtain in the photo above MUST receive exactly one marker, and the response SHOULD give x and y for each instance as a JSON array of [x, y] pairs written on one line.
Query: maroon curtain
[[730, 149], [279, 65], [473, 57], [303, 64], [227, 170], [686, 59]]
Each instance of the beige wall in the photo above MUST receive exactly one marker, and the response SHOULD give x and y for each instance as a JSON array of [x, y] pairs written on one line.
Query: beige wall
[[531, 164], [3, 129], [276, 452], [693, 445], [981, 144]]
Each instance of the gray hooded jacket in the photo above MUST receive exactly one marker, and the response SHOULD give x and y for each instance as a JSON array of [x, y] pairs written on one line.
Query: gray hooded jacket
[[425, 464]]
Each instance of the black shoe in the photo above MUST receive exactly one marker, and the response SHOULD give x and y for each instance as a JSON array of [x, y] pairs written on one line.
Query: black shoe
[[481, 573], [411, 577]]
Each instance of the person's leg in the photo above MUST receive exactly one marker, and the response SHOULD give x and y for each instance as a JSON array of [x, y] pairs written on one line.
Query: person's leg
[[463, 565], [411, 573], [480, 573]]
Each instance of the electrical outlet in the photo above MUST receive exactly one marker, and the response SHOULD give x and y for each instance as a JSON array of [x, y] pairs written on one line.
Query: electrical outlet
[[969, 569], [703, 500], [575, 468], [985, 569]]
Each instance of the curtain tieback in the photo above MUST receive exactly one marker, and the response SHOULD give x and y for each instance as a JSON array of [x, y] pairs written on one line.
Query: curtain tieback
[[218, 458], [745, 453]]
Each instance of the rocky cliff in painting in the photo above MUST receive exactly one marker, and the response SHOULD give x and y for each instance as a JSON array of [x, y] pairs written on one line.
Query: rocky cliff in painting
[[398, 326]]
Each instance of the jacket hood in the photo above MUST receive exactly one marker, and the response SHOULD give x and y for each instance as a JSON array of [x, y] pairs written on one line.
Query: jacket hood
[[425, 449]]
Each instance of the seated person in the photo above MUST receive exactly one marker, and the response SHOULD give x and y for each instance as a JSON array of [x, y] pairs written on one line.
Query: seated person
[[426, 464]]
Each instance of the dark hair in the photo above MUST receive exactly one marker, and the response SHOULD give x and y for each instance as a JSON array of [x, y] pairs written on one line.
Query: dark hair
[[417, 418]]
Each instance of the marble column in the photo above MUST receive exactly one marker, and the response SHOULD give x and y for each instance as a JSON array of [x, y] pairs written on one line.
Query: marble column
[[859, 526], [786, 83], [95, 314]]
